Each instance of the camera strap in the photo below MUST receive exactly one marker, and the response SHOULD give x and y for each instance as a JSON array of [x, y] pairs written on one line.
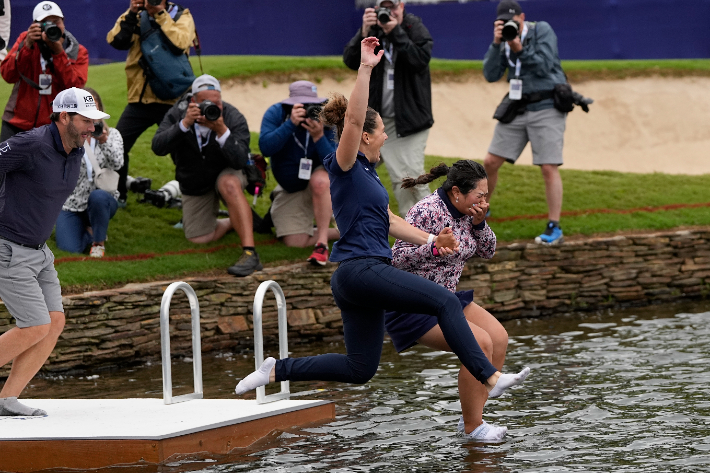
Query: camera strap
[[507, 51], [300, 145]]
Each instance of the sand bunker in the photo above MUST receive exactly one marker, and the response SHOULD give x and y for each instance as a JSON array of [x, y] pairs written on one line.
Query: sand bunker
[[635, 125]]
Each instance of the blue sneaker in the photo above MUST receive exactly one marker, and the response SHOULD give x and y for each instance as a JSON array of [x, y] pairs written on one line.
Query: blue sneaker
[[552, 235]]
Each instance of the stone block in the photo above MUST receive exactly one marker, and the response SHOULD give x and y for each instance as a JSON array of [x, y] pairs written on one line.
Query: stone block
[[505, 275], [686, 282], [232, 324], [300, 317], [507, 295], [497, 267], [330, 314], [538, 295]]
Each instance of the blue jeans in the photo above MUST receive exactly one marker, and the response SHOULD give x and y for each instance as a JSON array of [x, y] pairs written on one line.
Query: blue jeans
[[363, 289], [71, 230]]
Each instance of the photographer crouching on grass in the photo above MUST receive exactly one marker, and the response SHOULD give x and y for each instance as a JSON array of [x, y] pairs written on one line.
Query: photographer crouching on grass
[[38, 171], [208, 141]]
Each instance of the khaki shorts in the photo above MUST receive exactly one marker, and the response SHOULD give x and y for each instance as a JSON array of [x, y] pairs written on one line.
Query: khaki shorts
[[199, 212], [292, 213], [29, 286], [544, 129]]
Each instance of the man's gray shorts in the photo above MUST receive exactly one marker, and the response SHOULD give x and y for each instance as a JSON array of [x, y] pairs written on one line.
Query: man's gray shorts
[[29, 286], [544, 129]]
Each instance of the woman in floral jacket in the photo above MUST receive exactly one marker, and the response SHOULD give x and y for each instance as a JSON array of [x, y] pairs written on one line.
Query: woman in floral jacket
[[85, 215], [460, 203]]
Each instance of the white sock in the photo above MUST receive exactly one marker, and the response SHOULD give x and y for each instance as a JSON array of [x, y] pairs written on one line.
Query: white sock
[[258, 378], [487, 431], [507, 380], [10, 406]]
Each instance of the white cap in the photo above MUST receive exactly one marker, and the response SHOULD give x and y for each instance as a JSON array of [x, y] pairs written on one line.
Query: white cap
[[77, 101], [205, 82], [45, 9]]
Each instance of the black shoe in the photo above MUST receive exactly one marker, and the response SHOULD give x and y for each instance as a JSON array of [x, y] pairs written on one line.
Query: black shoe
[[246, 264]]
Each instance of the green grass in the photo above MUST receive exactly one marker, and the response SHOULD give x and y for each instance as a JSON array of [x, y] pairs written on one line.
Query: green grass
[[143, 229]]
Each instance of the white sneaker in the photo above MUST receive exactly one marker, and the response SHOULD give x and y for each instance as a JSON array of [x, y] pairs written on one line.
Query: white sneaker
[[485, 431], [97, 251]]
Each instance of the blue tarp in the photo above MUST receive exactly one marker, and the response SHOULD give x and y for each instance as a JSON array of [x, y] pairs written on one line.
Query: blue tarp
[[586, 29]]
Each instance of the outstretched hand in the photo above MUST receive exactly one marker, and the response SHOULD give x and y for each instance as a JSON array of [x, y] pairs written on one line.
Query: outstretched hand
[[446, 243], [367, 51]]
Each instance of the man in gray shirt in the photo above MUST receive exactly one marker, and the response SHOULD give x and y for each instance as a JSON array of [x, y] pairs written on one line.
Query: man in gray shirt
[[38, 171], [534, 69]]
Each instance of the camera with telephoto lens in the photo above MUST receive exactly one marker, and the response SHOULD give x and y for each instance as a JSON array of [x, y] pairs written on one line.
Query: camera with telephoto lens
[[166, 196], [53, 32], [155, 3], [384, 15], [138, 184], [210, 110], [510, 30], [313, 110], [98, 129]]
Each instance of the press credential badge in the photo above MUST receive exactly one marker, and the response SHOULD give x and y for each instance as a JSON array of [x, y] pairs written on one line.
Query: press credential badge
[[516, 89], [45, 84], [304, 170]]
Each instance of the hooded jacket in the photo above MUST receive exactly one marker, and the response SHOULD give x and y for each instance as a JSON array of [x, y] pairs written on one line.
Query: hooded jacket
[[197, 170], [26, 108]]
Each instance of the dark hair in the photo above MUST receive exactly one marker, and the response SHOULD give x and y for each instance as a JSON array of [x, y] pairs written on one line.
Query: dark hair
[[464, 174], [99, 103], [333, 114], [55, 115]]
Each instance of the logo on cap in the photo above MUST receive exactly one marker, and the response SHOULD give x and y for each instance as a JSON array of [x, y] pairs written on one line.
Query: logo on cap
[[89, 99], [511, 10], [46, 7]]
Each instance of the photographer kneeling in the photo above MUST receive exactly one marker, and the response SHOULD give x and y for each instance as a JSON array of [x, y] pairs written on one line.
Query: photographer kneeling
[[208, 141], [86, 213], [295, 139]]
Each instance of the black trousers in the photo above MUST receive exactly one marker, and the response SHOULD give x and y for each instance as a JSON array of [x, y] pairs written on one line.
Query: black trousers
[[135, 119]]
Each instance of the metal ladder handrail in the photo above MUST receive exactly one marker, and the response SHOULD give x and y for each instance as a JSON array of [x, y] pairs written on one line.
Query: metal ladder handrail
[[261, 397], [165, 344]]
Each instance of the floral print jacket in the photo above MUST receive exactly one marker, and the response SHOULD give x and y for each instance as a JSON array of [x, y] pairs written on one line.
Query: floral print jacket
[[432, 214], [108, 155]]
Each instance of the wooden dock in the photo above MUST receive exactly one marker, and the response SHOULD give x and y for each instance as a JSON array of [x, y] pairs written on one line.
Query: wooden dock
[[94, 433]]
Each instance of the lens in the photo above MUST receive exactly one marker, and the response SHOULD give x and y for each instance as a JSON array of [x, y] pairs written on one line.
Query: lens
[[98, 129], [210, 110], [383, 15], [510, 30], [53, 32]]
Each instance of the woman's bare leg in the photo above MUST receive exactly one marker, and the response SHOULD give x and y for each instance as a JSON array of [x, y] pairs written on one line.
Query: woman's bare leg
[[493, 339]]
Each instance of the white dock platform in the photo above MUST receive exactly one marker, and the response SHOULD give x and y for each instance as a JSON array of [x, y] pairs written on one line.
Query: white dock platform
[[92, 433]]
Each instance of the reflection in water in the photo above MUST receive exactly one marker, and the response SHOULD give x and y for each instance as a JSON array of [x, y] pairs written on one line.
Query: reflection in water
[[628, 391]]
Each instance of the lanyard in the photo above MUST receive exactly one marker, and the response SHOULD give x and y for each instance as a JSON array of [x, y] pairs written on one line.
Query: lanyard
[[388, 54], [304, 148], [198, 132], [507, 51], [87, 161]]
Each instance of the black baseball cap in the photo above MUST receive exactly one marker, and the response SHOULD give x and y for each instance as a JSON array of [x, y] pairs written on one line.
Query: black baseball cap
[[507, 9]]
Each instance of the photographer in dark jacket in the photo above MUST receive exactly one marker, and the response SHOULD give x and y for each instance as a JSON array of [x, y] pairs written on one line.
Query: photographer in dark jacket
[[400, 91], [209, 156]]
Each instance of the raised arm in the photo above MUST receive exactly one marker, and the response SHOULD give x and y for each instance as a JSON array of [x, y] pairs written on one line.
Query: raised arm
[[346, 154]]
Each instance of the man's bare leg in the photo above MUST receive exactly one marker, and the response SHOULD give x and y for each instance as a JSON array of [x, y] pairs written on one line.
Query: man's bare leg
[[492, 164]]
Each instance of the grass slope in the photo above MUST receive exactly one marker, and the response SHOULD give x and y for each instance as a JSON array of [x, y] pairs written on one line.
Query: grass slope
[[143, 230]]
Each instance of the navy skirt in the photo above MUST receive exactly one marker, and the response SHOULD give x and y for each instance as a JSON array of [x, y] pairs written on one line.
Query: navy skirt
[[405, 328]]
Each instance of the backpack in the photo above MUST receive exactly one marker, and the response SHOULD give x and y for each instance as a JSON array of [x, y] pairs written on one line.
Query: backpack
[[168, 73]]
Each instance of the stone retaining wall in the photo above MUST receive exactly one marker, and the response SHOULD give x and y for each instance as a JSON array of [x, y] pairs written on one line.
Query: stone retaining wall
[[522, 280]]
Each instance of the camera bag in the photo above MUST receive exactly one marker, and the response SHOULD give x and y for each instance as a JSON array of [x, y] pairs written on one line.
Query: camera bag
[[167, 70], [563, 97], [508, 109], [104, 178], [256, 174]]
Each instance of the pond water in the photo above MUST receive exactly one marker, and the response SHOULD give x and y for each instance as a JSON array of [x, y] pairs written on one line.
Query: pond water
[[627, 390]]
